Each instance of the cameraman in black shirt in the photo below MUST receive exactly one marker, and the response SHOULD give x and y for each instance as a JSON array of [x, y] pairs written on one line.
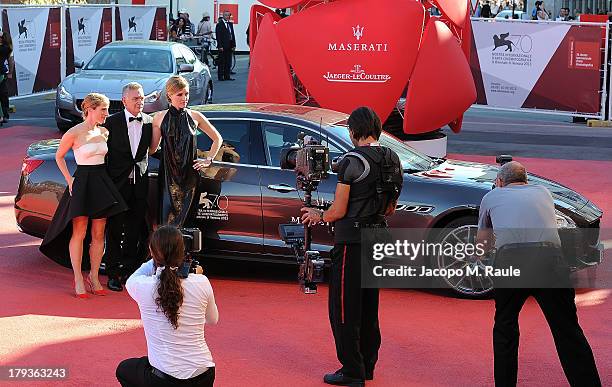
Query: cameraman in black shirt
[[369, 183]]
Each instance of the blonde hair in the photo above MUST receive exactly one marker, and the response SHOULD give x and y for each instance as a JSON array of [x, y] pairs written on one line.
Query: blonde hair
[[92, 101], [175, 84]]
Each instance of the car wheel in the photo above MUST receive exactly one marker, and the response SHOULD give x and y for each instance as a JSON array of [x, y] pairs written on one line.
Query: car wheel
[[208, 94], [461, 230]]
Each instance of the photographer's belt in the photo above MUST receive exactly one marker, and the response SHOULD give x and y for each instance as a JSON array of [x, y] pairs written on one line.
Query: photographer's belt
[[164, 376], [369, 225]]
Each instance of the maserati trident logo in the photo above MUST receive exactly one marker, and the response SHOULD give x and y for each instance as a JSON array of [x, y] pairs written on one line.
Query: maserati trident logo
[[358, 32]]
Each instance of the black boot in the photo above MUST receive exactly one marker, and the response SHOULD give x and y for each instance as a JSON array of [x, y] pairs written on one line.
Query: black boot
[[114, 284], [339, 379]]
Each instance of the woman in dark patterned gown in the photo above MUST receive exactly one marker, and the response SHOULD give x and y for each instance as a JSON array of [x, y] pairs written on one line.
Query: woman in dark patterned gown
[[176, 129]]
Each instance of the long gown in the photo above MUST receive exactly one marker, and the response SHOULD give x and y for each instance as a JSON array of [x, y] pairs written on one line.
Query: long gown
[[93, 195], [178, 178]]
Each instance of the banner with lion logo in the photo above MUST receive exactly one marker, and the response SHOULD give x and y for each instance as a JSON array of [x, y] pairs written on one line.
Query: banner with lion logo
[[36, 34]]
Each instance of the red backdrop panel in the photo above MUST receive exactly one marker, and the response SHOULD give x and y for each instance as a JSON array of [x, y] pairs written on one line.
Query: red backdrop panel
[[281, 3], [257, 14], [441, 87], [269, 76], [455, 10], [354, 59]]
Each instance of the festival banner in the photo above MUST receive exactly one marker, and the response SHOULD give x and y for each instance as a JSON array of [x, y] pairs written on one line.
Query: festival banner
[[87, 30], [548, 66], [136, 23], [36, 34]]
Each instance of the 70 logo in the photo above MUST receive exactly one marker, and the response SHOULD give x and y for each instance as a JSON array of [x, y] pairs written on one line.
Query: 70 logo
[[213, 201]]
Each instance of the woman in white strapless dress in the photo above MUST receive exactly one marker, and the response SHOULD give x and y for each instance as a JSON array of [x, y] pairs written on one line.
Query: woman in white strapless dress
[[89, 199]]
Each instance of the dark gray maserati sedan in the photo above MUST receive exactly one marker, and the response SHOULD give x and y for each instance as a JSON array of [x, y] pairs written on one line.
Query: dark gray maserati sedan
[[244, 196], [147, 62]]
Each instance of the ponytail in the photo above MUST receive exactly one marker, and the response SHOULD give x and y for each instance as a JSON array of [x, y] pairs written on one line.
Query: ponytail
[[168, 250], [170, 296]]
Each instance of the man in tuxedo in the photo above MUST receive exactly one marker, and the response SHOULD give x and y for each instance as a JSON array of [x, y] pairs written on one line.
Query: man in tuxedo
[[129, 140], [226, 43]]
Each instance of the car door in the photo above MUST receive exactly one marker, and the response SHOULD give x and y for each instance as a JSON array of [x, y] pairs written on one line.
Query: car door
[[281, 202], [227, 207]]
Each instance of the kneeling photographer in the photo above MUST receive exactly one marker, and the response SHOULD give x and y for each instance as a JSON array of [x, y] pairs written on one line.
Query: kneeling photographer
[[174, 306], [369, 184]]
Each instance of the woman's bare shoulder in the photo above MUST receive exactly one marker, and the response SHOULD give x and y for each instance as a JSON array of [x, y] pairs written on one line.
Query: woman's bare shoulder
[[159, 116]]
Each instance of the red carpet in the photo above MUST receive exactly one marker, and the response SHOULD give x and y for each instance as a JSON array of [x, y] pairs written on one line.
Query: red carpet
[[269, 334]]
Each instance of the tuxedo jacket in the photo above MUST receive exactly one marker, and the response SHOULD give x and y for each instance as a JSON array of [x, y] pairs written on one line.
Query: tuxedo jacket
[[119, 159], [226, 38]]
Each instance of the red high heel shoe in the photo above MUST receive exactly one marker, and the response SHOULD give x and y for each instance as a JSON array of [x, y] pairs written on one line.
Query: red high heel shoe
[[100, 292], [79, 295]]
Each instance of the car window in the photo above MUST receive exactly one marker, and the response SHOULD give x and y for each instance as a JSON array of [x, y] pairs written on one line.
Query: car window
[[237, 142], [131, 59], [178, 56], [188, 55], [410, 157], [279, 136]]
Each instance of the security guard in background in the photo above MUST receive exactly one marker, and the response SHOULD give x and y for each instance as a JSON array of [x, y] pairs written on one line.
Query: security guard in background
[[521, 219], [369, 183]]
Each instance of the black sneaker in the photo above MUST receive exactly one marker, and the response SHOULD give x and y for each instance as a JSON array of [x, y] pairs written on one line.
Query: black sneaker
[[339, 379]]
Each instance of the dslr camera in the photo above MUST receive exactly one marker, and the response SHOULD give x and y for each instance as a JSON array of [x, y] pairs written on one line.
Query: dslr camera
[[192, 239]]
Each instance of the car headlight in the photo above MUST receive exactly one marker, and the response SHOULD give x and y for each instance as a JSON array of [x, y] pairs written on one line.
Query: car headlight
[[153, 97], [64, 95], [564, 221]]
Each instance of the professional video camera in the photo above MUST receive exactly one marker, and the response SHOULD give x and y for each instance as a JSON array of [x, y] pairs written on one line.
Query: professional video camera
[[192, 239], [310, 161]]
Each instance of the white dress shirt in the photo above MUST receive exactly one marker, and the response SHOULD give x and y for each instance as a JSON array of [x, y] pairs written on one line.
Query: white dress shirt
[[182, 352], [134, 131]]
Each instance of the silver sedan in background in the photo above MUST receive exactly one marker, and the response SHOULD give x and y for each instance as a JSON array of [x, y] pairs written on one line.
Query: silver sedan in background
[[147, 62]]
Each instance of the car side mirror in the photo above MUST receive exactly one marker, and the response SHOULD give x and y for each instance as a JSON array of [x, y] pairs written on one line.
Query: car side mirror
[[185, 68], [79, 65]]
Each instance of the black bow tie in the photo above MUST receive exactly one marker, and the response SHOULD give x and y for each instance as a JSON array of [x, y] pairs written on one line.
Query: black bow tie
[[139, 119]]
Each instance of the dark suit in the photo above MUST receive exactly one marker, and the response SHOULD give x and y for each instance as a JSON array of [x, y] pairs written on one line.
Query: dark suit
[[127, 233], [226, 39]]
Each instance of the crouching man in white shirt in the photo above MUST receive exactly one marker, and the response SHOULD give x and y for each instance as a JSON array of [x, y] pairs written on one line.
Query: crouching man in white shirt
[[173, 311]]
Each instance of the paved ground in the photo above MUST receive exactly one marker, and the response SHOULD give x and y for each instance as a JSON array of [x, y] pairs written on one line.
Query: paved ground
[[270, 334]]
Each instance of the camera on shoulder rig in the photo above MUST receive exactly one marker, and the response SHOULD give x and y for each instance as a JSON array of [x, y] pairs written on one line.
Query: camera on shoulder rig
[[192, 239], [310, 161]]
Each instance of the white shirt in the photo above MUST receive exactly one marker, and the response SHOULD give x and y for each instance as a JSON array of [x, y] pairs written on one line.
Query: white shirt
[[182, 352], [134, 131]]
